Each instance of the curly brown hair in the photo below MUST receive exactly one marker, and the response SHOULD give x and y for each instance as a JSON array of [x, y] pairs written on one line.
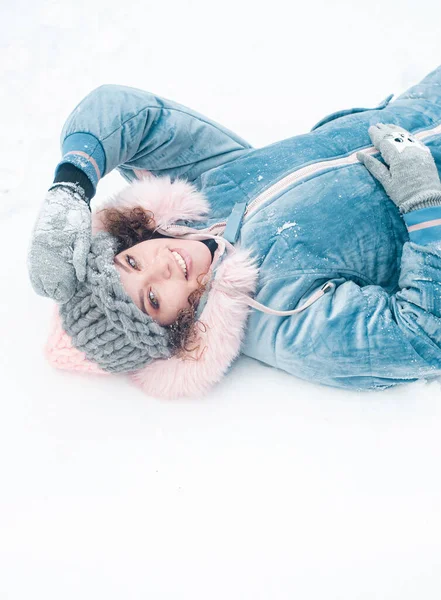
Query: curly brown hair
[[132, 226]]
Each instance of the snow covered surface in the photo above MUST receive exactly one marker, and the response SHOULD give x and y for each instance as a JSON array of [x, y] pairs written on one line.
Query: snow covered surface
[[271, 487]]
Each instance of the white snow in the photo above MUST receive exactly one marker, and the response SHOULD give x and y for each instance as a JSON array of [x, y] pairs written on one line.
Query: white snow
[[271, 487], [287, 225]]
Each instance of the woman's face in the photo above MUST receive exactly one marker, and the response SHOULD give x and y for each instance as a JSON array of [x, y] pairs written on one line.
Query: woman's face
[[154, 278]]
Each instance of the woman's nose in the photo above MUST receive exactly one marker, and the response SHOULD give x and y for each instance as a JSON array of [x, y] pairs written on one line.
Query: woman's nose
[[160, 267]]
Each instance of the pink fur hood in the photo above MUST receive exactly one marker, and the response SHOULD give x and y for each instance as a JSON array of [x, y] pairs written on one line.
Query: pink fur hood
[[224, 315]]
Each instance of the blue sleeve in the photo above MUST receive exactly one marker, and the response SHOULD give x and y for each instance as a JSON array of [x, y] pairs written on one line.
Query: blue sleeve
[[362, 337], [119, 126]]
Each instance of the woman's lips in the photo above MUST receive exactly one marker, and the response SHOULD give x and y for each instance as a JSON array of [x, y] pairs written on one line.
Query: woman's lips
[[187, 259]]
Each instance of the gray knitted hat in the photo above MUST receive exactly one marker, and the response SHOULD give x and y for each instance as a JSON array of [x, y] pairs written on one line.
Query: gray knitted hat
[[105, 323]]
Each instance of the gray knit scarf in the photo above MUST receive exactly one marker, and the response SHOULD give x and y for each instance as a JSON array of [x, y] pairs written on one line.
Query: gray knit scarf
[[105, 323]]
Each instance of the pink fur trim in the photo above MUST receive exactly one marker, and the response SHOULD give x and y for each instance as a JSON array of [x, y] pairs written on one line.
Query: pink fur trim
[[225, 317], [61, 354], [168, 201]]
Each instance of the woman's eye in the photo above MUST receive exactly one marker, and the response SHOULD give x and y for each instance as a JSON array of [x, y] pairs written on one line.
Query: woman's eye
[[154, 303], [133, 263]]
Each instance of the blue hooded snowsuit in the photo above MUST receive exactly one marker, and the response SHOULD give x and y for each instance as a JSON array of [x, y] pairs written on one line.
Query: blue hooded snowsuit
[[311, 213]]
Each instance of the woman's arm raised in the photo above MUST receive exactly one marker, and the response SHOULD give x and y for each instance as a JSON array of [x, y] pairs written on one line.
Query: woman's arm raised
[[117, 126]]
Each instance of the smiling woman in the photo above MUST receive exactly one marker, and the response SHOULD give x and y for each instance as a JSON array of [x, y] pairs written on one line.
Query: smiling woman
[[162, 279], [317, 273]]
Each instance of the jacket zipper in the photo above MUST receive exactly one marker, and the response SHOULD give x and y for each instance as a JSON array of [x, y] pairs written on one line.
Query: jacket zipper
[[278, 187], [295, 176]]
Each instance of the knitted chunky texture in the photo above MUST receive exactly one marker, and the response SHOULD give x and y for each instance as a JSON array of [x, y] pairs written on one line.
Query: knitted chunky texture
[[105, 323], [60, 242]]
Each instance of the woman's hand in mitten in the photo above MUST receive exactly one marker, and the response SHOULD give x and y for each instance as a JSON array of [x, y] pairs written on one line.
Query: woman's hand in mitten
[[60, 243], [412, 179]]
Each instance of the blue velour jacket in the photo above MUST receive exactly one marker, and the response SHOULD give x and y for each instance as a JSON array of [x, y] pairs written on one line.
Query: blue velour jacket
[[311, 213]]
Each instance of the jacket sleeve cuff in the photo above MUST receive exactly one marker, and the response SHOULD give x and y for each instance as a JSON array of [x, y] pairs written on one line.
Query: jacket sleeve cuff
[[66, 172], [85, 152], [424, 225]]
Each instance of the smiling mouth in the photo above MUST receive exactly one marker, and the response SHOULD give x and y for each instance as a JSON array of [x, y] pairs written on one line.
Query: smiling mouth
[[182, 263]]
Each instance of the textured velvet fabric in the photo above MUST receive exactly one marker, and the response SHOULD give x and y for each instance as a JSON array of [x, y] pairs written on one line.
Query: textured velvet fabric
[[382, 324]]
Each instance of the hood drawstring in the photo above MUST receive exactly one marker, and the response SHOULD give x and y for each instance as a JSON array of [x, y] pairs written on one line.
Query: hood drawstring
[[328, 286]]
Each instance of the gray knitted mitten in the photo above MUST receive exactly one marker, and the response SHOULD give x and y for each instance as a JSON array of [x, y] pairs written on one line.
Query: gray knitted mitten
[[60, 242], [411, 181]]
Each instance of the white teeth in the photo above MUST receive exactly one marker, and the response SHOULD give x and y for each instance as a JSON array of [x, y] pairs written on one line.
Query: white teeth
[[180, 260]]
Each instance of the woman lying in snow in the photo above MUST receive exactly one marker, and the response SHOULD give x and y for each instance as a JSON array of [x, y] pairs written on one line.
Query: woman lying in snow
[[295, 254]]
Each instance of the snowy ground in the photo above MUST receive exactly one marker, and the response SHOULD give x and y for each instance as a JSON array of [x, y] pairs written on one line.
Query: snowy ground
[[271, 487]]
